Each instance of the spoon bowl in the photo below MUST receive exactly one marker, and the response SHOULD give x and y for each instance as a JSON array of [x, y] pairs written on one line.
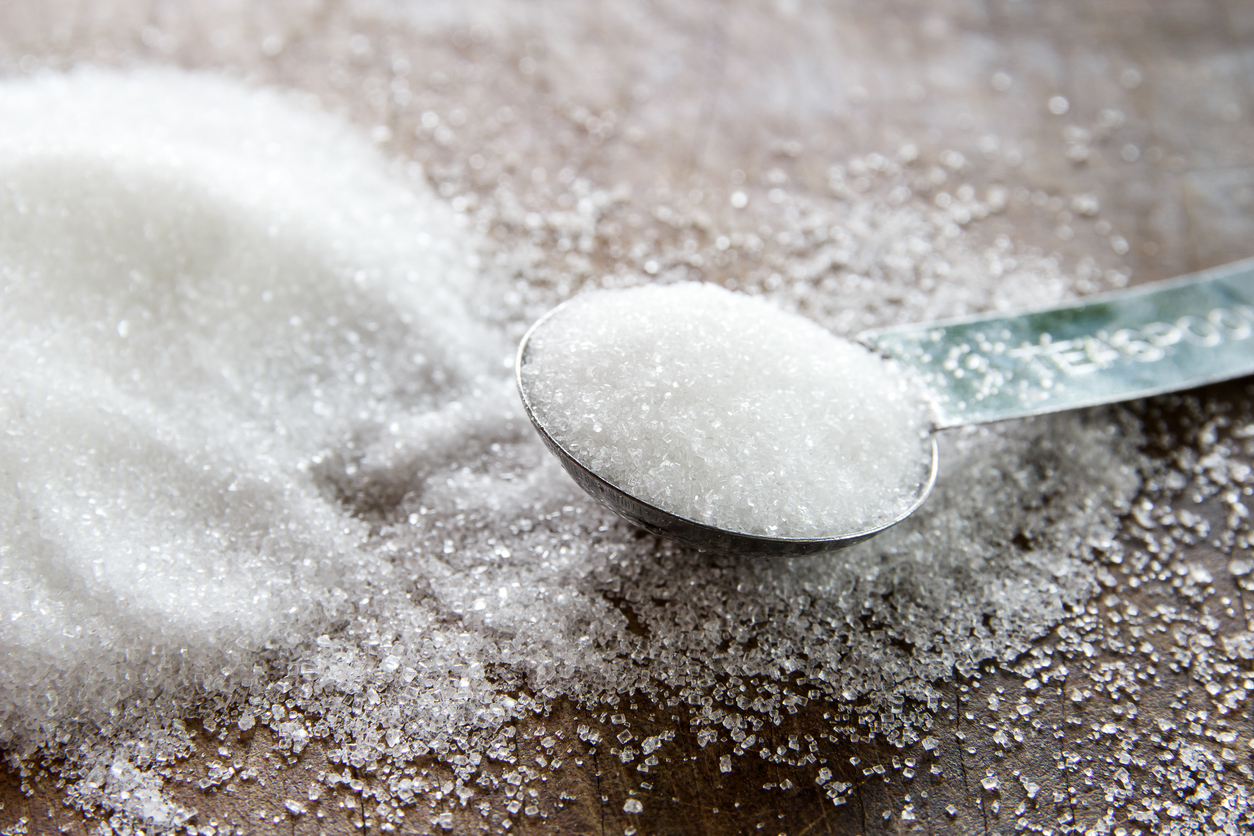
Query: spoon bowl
[[691, 532]]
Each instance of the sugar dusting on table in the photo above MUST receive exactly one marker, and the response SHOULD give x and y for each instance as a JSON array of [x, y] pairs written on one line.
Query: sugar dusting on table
[[263, 465]]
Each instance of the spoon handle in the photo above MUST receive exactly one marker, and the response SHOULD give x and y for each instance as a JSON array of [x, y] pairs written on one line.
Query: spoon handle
[[1106, 348]]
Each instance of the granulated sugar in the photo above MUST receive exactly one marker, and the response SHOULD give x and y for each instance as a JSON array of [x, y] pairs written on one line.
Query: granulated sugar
[[722, 409], [264, 466], [208, 294]]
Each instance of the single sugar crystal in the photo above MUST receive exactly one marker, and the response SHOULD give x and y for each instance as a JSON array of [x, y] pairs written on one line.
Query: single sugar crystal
[[723, 409]]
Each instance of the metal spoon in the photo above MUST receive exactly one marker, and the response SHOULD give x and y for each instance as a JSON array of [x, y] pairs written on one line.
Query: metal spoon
[[1103, 349]]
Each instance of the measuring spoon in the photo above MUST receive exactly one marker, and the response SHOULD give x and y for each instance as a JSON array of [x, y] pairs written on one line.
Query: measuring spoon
[[1106, 348]]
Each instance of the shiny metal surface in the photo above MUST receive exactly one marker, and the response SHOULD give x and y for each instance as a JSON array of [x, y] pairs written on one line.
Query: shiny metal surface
[[1106, 348]]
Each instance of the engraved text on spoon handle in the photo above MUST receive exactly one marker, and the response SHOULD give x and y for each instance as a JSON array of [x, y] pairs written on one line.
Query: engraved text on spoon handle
[[1112, 347]]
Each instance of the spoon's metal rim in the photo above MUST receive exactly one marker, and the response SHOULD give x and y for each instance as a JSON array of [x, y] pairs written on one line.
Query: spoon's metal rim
[[701, 536]]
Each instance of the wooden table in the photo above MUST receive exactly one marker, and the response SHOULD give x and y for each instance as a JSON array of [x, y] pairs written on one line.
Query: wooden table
[[705, 89]]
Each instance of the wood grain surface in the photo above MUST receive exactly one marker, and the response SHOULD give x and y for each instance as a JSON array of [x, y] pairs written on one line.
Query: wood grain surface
[[791, 84]]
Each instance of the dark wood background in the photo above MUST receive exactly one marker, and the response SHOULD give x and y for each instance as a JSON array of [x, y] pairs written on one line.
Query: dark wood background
[[744, 79]]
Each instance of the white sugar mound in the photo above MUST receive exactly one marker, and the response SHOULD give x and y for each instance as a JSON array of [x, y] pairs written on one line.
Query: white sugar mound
[[723, 409], [204, 292]]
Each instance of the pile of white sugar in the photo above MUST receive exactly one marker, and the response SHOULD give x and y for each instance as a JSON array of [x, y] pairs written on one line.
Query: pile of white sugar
[[723, 409], [213, 302]]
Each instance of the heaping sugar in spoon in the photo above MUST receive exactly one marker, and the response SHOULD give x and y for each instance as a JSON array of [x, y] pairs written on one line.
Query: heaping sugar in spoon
[[725, 410]]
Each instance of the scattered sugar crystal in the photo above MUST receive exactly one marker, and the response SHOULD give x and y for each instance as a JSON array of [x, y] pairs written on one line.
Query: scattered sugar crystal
[[633, 805], [720, 408], [381, 471]]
